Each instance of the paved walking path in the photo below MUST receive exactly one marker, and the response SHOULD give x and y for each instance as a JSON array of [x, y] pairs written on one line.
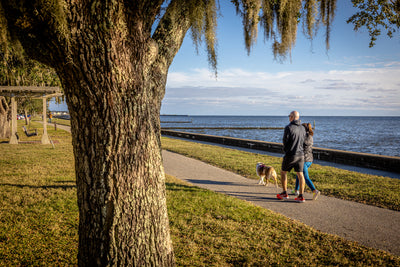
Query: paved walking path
[[369, 225]]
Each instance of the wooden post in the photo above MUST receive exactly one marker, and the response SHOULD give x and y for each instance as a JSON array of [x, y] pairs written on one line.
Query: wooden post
[[13, 139], [45, 137]]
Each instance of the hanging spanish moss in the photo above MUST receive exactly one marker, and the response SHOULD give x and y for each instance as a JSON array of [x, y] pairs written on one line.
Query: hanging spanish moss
[[310, 17], [279, 19], [327, 11]]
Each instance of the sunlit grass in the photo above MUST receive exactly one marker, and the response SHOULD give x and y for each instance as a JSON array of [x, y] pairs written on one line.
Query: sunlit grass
[[61, 121], [39, 220], [210, 229], [38, 210]]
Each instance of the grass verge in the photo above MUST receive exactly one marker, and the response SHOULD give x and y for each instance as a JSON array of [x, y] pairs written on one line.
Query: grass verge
[[38, 210], [369, 189], [211, 229], [61, 121], [39, 220]]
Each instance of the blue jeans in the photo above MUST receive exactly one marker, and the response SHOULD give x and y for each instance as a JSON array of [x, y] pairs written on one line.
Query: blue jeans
[[306, 177]]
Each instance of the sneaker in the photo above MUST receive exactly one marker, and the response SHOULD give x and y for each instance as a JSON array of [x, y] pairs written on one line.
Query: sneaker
[[295, 192], [282, 195], [315, 195], [300, 199]]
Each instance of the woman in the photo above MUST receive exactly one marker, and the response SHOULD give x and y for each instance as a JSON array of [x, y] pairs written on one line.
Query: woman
[[308, 159]]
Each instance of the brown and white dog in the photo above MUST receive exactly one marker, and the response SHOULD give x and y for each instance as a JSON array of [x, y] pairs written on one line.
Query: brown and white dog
[[265, 172]]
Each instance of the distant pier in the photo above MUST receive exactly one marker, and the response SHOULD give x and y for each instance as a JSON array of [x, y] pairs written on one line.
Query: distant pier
[[176, 121], [223, 128]]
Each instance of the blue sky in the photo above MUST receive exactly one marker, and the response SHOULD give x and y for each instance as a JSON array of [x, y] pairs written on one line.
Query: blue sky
[[350, 79]]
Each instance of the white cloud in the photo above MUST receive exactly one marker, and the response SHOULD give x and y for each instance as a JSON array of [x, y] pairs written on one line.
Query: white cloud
[[236, 91]]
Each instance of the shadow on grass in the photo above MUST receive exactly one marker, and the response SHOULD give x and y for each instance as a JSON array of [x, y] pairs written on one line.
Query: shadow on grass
[[64, 187], [181, 187], [196, 181]]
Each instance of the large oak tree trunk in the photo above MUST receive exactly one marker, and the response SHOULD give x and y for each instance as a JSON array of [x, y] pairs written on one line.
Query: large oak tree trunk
[[114, 90], [119, 171]]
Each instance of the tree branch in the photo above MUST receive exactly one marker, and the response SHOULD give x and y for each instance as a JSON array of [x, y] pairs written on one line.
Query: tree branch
[[3, 105], [148, 10], [171, 31], [376, 16]]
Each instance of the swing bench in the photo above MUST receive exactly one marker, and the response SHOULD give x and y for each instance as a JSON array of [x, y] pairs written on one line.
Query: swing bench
[[28, 134]]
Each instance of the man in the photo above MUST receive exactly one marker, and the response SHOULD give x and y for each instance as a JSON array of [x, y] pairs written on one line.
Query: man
[[293, 140]]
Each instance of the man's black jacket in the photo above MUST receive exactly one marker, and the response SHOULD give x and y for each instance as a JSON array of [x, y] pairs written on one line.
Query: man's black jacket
[[293, 139]]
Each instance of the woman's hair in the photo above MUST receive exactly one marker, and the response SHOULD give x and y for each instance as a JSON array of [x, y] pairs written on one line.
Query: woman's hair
[[309, 128]]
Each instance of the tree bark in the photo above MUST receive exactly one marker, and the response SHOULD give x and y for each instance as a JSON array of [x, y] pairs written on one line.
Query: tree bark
[[5, 130], [116, 138], [120, 180], [26, 117], [119, 171], [114, 90]]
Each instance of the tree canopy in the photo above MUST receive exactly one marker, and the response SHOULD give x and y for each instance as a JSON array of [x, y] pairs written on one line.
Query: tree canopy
[[376, 15], [278, 19]]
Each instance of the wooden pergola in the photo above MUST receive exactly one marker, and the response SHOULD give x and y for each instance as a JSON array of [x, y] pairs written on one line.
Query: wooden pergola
[[42, 92]]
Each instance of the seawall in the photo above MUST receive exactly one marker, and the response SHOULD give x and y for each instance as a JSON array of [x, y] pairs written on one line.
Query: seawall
[[372, 161]]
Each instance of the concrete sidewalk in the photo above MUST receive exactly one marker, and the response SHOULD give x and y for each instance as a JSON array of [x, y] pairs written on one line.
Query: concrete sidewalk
[[368, 225]]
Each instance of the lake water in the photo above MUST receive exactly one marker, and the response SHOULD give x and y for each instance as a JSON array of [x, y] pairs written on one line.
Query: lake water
[[375, 135]]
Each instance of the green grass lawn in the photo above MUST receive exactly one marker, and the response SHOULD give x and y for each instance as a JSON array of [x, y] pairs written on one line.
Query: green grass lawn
[[61, 121], [39, 219], [370, 189], [210, 229]]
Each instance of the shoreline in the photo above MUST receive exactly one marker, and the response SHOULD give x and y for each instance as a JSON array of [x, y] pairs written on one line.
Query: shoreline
[[359, 169], [316, 161]]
